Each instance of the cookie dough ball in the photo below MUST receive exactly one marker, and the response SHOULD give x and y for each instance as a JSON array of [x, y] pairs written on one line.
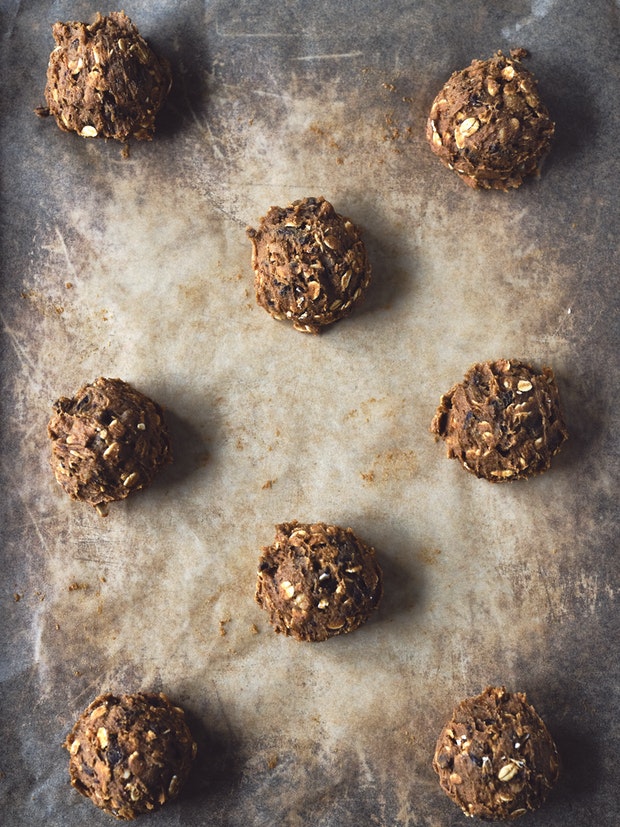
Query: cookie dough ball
[[489, 124], [104, 79], [495, 757], [503, 421], [130, 753], [317, 581], [310, 264], [107, 441]]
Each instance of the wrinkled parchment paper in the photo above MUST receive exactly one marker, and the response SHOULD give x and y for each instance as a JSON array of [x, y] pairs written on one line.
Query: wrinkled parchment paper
[[140, 268]]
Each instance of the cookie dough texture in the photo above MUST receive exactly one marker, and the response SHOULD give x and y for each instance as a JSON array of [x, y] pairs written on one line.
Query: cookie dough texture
[[503, 421], [103, 79], [317, 581], [489, 124], [310, 264], [130, 753], [495, 757], [107, 441]]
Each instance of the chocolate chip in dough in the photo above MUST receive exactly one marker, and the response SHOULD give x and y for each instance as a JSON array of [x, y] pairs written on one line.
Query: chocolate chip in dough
[[495, 757], [317, 581]]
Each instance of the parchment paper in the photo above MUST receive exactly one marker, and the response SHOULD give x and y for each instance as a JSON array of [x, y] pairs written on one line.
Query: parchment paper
[[140, 269]]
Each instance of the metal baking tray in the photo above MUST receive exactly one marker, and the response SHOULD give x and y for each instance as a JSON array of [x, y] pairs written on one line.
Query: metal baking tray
[[139, 268]]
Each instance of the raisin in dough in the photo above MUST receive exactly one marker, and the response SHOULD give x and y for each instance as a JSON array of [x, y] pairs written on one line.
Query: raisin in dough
[[489, 124], [107, 441], [130, 753], [495, 758], [310, 264], [317, 581], [104, 79], [503, 421]]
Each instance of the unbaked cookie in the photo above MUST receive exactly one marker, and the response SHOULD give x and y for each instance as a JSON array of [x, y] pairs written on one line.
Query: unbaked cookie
[[495, 757], [130, 753], [489, 124], [107, 441], [317, 581], [103, 79], [310, 264], [503, 421]]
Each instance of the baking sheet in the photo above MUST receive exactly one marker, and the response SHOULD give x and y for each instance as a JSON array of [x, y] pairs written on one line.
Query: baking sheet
[[140, 268]]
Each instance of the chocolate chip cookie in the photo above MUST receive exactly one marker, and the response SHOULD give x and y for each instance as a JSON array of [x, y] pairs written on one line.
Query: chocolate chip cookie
[[310, 264], [317, 581], [503, 421], [103, 79], [495, 757], [130, 754], [489, 125], [107, 441]]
